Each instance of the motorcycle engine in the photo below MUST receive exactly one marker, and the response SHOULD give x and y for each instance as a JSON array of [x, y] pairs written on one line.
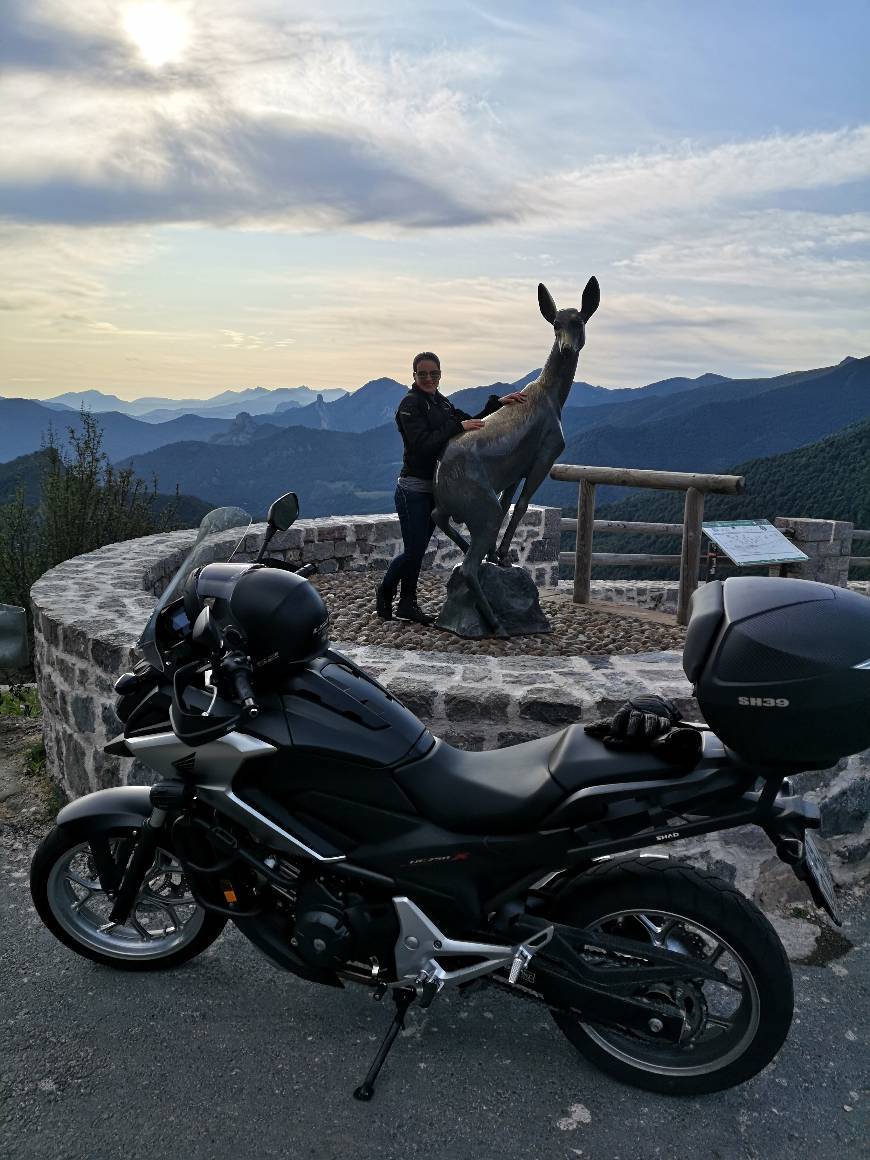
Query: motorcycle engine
[[321, 934], [333, 927]]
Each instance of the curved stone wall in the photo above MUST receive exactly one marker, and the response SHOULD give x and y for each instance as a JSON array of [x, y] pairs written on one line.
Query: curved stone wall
[[89, 612]]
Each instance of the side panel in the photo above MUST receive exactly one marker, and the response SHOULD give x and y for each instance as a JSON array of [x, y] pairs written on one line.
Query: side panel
[[214, 765]]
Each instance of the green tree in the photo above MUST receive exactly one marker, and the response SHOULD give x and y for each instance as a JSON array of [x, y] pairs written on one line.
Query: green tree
[[84, 503]]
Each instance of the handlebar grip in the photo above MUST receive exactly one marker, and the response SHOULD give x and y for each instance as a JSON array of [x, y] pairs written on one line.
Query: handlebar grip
[[238, 670]]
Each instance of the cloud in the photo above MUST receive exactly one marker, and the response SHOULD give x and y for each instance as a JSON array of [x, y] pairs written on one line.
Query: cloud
[[690, 179], [261, 123], [775, 250], [259, 119], [55, 275]]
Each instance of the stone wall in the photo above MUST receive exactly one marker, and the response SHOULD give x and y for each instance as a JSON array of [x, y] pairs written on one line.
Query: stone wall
[[88, 613], [660, 595], [360, 543], [827, 544]]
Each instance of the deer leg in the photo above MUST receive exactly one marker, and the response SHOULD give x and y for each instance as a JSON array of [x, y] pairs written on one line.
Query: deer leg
[[442, 521], [504, 502], [506, 498], [483, 537], [533, 481]]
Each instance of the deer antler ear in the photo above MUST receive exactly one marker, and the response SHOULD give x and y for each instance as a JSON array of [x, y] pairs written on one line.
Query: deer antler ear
[[591, 298], [546, 303]]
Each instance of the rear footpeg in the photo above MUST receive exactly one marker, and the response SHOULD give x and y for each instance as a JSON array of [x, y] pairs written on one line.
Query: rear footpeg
[[526, 951]]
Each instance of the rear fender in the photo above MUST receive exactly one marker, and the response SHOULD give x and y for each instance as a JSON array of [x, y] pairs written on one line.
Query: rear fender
[[120, 808]]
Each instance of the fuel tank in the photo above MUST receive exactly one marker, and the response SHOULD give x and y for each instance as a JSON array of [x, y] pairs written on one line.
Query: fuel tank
[[332, 707]]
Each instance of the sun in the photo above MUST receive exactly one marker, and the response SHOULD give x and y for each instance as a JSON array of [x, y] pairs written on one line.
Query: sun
[[158, 29]]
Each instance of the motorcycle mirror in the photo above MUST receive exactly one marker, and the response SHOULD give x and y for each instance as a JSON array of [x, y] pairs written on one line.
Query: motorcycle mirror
[[13, 638], [282, 513], [205, 631]]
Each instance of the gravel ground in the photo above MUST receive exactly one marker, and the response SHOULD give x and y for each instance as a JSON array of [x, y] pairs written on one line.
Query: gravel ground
[[576, 628]]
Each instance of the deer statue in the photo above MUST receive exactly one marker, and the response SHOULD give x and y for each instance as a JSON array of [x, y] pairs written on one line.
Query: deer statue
[[479, 471]]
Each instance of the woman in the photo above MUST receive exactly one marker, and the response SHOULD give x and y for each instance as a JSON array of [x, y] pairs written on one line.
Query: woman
[[426, 421]]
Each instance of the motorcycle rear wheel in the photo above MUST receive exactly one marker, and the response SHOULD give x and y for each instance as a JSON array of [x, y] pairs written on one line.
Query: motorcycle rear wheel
[[731, 1030], [166, 927]]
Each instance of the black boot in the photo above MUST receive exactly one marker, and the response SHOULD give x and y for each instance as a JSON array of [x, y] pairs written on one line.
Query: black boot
[[409, 609], [384, 602]]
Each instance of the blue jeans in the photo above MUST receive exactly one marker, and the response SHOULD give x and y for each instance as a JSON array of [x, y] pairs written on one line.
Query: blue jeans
[[414, 509]]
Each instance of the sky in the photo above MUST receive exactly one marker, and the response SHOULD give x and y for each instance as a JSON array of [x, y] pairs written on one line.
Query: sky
[[202, 196]]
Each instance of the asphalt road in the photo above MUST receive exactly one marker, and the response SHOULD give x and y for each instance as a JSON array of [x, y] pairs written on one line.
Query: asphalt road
[[229, 1057]]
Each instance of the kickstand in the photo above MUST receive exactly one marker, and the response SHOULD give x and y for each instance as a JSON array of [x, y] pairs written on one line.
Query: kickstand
[[403, 998]]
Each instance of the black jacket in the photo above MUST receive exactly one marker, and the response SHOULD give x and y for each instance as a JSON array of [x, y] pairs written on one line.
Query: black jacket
[[426, 422]]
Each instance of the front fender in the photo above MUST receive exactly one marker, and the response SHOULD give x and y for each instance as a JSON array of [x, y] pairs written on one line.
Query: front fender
[[107, 809]]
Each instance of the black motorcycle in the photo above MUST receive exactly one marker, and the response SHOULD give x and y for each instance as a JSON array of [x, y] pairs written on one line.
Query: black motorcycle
[[298, 798]]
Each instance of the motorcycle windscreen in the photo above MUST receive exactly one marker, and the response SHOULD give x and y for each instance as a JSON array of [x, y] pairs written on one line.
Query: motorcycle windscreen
[[221, 534]]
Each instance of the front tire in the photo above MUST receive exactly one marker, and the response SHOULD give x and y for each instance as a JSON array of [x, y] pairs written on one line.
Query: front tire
[[730, 1031], [166, 926]]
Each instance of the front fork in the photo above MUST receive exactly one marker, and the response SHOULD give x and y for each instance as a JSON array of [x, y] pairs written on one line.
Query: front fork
[[140, 863]]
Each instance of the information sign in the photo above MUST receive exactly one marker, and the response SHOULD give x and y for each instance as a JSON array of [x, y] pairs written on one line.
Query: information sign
[[747, 542]]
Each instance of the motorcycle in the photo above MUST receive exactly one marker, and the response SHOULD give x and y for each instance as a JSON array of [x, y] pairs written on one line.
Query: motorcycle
[[299, 799]]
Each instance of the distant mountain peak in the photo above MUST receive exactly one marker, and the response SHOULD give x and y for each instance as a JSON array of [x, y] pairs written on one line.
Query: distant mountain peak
[[377, 386]]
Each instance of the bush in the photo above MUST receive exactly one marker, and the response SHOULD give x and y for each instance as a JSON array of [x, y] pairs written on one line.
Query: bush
[[84, 502], [20, 700]]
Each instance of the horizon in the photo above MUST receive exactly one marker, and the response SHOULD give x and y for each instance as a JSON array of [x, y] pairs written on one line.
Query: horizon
[[352, 390], [197, 198]]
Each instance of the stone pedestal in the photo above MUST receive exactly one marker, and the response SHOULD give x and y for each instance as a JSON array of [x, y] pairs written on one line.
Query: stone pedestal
[[512, 593], [827, 543]]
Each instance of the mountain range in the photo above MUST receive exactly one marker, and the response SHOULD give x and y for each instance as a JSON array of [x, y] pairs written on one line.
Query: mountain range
[[341, 472], [27, 471], [25, 422], [342, 455], [155, 409]]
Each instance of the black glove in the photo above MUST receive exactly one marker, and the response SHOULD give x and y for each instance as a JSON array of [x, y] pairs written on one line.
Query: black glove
[[637, 723], [679, 746]]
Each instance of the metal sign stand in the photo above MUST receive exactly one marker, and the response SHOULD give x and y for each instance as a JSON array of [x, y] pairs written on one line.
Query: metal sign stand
[[747, 543]]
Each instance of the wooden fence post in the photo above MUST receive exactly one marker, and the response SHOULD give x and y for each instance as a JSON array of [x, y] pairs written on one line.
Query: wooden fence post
[[690, 561], [583, 547]]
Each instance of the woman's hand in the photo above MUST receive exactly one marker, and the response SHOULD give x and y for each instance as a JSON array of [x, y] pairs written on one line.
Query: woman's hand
[[472, 424], [513, 397]]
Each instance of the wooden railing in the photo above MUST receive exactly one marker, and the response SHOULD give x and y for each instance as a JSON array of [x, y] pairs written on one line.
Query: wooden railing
[[693, 484]]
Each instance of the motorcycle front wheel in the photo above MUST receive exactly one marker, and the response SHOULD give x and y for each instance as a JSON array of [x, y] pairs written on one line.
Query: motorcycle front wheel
[[166, 927], [732, 1029]]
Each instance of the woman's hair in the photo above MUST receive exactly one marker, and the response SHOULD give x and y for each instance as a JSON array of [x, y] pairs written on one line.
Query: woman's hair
[[418, 358]]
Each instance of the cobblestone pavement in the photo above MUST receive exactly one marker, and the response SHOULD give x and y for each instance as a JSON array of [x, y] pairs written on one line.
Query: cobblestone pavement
[[575, 629]]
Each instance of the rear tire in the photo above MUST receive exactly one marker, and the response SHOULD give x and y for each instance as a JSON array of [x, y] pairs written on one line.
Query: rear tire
[[167, 926], [732, 1031]]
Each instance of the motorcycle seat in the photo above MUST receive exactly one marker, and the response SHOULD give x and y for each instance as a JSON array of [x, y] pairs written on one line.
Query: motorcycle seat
[[497, 791], [512, 790], [578, 760]]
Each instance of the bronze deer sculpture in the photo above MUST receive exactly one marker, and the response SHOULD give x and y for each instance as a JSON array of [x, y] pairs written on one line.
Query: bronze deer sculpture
[[479, 471]]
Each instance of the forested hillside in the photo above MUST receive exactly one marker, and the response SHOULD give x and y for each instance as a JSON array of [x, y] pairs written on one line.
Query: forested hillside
[[691, 433], [829, 479]]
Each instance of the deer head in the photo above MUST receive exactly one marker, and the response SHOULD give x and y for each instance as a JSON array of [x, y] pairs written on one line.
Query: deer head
[[570, 324]]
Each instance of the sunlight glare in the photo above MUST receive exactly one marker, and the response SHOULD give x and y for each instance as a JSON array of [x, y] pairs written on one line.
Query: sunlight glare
[[159, 30]]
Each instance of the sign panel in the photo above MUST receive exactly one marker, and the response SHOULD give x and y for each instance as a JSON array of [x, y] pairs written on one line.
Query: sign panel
[[747, 542]]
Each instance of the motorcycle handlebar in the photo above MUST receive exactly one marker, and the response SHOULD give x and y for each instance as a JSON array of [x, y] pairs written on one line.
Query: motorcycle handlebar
[[305, 570], [237, 668]]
